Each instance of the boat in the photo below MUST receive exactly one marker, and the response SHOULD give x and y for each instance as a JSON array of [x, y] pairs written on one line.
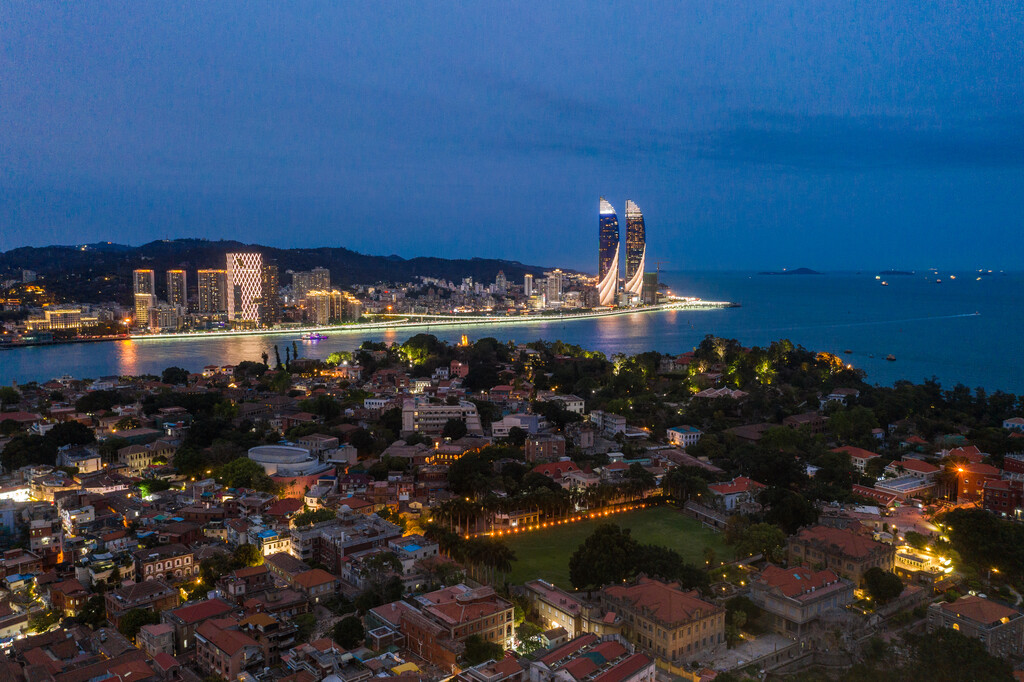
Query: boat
[[848, 351], [885, 284], [890, 357], [313, 336]]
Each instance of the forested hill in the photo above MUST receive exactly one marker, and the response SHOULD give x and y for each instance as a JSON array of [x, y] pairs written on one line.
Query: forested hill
[[102, 272]]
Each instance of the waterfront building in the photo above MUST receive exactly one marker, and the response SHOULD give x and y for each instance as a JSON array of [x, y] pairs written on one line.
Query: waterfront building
[[270, 302], [553, 286], [607, 254], [213, 291], [317, 279], [528, 285], [164, 317], [57, 317], [144, 288], [245, 281], [177, 290], [649, 290], [636, 248]]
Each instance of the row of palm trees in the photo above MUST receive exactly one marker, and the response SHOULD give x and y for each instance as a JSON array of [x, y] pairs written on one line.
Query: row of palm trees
[[465, 515], [488, 560]]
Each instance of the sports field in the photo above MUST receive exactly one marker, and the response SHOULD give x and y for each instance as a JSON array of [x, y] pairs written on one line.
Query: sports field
[[545, 553]]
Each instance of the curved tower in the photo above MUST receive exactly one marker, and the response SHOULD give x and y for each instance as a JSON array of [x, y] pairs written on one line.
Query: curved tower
[[607, 255], [636, 248]]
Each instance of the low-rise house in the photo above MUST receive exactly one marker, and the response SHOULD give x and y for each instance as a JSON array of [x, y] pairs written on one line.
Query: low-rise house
[[859, 457], [740, 490], [594, 659], [156, 639], [186, 619], [155, 595], [847, 553], [223, 649], [172, 562], [792, 599], [317, 585], [971, 479], [683, 436], [544, 447], [68, 597], [998, 627]]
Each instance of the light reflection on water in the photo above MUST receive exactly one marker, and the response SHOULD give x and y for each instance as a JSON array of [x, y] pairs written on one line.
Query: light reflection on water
[[931, 328]]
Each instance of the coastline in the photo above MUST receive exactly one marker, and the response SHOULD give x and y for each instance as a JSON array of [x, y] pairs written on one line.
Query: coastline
[[404, 322]]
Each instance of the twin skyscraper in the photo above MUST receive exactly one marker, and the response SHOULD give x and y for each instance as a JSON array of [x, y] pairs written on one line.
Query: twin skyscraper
[[608, 252]]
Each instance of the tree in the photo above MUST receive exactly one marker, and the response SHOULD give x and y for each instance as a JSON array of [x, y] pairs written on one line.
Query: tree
[[9, 396], [245, 473], [883, 586], [133, 621], [348, 632], [479, 650], [41, 621], [176, 376], [454, 429], [126, 423], [761, 538], [517, 436], [306, 623], [310, 516], [248, 555], [323, 406], [606, 556]]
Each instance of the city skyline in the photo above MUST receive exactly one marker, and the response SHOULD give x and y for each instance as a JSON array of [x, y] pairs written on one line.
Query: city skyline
[[766, 136]]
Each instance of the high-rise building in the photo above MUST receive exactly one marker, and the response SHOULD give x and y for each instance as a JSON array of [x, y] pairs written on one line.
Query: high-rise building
[[270, 301], [500, 283], [553, 286], [332, 307], [177, 291], [144, 287], [317, 279], [636, 248], [649, 291], [607, 254], [213, 291], [528, 285], [245, 285]]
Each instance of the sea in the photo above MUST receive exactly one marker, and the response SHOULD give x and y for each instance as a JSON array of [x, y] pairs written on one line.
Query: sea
[[959, 327]]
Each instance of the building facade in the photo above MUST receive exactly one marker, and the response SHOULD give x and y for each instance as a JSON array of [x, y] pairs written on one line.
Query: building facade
[[607, 254], [998, 627], [244, 286], [636, 248], [213, 292], [177, 288]]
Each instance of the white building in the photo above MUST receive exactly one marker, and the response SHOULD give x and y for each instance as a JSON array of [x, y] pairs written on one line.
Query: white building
[[683, 436], [422, 416]]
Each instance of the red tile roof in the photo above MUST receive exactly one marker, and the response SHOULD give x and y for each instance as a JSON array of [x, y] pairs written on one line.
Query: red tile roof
[[193, 613], [979, 610], [314, 578], [840, 540], [740, 484], [666, 602], [556, 470], [288, 505], [856, 453], [624, 670], [797, 580], [917, 465]]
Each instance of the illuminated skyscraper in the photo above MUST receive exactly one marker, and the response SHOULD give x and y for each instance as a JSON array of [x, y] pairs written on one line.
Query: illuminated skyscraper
[[636, 248], [177, 292], [144, 286], [607, 255], [528, 285], [213, 291], [270, 303], [245, 284]]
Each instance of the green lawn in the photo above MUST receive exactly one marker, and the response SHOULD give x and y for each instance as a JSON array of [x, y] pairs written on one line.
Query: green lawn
[[545, 553]]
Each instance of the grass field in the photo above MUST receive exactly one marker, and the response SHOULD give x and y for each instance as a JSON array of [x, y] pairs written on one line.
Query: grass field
[[545, 553]]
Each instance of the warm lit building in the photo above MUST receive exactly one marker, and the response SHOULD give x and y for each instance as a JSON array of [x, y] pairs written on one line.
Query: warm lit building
[[1004, 497], [847, 553], [666, 621], [213, 291], [156, 595], [792, 599], [998, 627], [171, 562], [224, 650], [422, 416], [971, 479], [593, 659], [177, 289], [144, 288]]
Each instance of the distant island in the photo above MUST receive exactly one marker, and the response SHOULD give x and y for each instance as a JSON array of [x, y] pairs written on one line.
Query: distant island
[[797, 271], [897, 273]]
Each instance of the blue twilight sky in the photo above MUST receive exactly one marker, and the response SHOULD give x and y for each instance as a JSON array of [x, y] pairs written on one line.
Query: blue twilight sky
[[752, 134]]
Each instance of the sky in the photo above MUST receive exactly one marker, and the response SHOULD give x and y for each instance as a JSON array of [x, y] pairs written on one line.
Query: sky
[[792, 133]]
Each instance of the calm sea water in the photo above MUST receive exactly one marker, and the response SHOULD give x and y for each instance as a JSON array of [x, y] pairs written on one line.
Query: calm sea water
[[961, 331]]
